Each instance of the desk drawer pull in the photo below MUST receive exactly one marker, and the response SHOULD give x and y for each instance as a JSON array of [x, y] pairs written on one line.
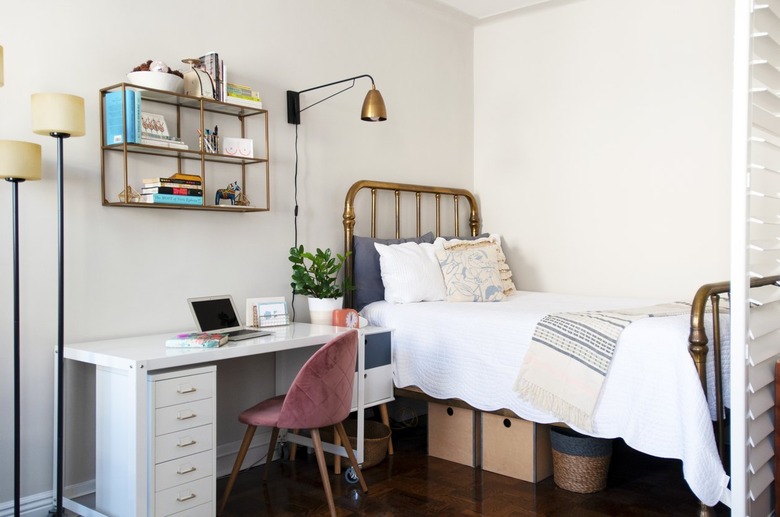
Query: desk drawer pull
[[182, 443], [185, 469], [185, 415], [181, 498], [186, 388]]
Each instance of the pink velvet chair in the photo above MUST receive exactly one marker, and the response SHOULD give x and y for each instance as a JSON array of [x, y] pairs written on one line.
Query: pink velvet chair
[[320, 396]]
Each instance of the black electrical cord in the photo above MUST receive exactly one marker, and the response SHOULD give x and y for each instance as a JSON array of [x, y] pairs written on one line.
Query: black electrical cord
[[295, 212]]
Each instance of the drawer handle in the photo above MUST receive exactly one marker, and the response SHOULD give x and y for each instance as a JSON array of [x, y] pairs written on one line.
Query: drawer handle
[[185, 469], [187, 497], [182, 443], [185, 415], [186, 388]]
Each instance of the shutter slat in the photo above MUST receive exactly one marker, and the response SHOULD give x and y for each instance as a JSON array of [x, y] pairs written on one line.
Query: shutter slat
[[760, 481], [760, 456], [764, 319], [763, 372], [760, 428], [760, 402]]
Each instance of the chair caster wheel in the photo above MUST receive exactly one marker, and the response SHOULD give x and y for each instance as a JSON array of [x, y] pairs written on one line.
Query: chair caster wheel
[[350, 476]]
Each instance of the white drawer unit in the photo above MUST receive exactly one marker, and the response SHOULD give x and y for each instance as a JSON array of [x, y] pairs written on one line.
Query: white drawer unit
[[182, 451], [378, 374]]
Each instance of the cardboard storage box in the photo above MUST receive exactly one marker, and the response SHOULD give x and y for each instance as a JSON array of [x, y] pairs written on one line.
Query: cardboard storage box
[[516, 448], [453, 434]]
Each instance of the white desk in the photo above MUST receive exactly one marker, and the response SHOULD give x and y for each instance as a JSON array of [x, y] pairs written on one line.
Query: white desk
[[128, 362]]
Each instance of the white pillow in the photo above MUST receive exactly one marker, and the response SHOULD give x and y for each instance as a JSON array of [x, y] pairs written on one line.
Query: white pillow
[[410, 272]]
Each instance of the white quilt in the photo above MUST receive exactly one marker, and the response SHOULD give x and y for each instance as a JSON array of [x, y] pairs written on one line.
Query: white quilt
[[651, 397]]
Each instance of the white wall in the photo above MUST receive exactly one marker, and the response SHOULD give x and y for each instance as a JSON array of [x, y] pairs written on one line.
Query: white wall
[[602, 144], [129, 271]]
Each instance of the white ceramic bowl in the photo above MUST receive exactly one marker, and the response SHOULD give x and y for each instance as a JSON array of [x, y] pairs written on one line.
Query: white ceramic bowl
[[157, 80]]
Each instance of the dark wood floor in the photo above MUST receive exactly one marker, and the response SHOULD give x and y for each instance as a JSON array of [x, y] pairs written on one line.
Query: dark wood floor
[[410, 483]]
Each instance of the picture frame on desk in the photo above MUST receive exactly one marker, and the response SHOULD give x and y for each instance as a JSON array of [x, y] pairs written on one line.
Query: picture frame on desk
[[267, 312]]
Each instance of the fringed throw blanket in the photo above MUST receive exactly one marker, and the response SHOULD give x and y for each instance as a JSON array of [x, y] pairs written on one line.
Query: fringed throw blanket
[[569, 356]]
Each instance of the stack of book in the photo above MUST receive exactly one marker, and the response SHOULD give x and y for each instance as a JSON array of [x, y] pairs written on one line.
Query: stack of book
[[216, 69], [179, 189], [242, 95]]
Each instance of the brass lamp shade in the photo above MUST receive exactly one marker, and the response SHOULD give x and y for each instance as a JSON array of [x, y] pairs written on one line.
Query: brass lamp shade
[[373, 107], [1, 66], [20, 160], [57, 113]]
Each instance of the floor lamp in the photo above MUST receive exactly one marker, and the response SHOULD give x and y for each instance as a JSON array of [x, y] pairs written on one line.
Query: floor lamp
[[19, 161], [59, 115]]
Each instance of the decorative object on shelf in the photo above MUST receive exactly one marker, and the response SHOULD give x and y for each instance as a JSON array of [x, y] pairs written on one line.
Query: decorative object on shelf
[[346, 318], [157, 75], [230, 192], [197, 81], [242, 147], [129, 196], [19, 161], [61, 116], [316, 275], [373, 105]]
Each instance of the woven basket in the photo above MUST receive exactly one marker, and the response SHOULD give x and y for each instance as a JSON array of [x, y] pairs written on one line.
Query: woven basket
[[580, 463], [375, 438]]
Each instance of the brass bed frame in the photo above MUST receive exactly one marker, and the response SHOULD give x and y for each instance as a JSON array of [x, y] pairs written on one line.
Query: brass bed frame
[[707, 297]]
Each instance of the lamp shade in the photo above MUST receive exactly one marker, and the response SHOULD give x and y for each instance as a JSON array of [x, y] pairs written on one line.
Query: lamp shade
[[1, 66], [373, 107], [20, 160], [57, 113]]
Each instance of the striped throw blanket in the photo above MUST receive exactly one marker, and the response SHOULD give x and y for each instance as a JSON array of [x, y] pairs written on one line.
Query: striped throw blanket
[[569, 356]]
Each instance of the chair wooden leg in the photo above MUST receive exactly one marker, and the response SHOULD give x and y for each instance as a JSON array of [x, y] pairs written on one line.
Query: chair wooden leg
[[270, 455], [293, 445], [250, 432], [386, 420], [336, 457], [315, 438], [351, 455]]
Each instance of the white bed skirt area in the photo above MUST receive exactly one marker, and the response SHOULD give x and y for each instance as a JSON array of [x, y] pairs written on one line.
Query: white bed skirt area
[[651, 397]]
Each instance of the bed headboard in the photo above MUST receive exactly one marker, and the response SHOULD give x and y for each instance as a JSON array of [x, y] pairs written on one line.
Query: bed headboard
[[406, 197]]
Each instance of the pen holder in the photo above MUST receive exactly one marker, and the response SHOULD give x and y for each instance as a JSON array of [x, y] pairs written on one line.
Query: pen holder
[[210, 143]]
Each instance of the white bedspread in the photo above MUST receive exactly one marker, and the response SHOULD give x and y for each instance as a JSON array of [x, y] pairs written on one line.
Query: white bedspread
[[651, 398]]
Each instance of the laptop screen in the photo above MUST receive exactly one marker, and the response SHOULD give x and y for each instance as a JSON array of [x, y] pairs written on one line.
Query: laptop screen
[[215, 314]]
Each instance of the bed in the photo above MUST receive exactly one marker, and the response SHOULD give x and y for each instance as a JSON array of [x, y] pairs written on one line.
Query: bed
[[653, 396]]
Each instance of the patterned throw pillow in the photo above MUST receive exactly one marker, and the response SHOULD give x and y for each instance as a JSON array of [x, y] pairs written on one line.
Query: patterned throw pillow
[[471, 274], [492, 240]]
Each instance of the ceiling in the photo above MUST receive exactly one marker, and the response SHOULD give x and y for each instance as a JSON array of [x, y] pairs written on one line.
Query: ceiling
[[480, 9]]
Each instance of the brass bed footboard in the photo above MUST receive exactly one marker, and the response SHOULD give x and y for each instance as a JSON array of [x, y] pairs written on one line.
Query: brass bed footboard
[[708, 296]]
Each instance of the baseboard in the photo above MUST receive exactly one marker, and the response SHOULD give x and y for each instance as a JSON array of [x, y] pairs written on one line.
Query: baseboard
[[226, 454], [36, 505]]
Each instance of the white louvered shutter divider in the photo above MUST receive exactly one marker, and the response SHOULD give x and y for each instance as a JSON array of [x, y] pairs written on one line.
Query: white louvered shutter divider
[[755, 325]]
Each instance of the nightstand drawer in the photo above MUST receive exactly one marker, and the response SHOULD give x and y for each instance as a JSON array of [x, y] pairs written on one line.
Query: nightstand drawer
[[183, 416], [183, 497], [183, 470], [183, 443], [204, 510], [183, 389]]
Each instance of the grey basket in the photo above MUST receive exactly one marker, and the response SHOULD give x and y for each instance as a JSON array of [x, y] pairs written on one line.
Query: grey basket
[[580, 463]]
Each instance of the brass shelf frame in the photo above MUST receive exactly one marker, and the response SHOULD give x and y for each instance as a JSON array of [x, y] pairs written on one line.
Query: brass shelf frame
[[203, 106]]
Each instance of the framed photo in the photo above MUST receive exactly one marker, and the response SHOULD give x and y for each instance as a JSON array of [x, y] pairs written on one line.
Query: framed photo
[[267, 312], [153, 125]]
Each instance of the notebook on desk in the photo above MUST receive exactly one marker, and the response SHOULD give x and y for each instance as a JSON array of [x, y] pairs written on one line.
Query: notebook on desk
[[217, 314]]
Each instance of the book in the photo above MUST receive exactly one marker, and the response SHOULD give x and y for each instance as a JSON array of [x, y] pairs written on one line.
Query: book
[[244, 102], [176, 191], [116, 126], [197, 340], [164, 182], [171, 199], [211, 64], [182, 176]]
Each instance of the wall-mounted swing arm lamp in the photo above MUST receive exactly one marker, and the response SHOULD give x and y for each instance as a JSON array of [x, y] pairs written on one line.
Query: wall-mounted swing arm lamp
[[373, 105]]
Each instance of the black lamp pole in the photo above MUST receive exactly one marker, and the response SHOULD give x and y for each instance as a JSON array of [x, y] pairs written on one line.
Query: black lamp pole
[[17, 373], [60, 322]]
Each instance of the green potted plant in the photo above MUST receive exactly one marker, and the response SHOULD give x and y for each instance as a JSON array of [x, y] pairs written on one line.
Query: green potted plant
[[316, 275]]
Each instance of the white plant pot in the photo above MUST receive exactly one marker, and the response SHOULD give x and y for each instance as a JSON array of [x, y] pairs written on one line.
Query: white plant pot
[[321, 309]]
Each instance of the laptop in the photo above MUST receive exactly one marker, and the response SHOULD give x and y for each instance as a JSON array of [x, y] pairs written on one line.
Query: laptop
[[218, 315]]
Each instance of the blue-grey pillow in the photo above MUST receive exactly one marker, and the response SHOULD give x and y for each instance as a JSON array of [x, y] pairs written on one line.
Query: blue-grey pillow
[[366, 273]]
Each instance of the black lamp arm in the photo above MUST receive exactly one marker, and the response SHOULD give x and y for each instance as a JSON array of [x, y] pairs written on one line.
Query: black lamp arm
[[294, 99]]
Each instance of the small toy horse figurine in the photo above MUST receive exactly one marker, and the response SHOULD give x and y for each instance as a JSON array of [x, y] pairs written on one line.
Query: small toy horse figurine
[[230, 192]]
